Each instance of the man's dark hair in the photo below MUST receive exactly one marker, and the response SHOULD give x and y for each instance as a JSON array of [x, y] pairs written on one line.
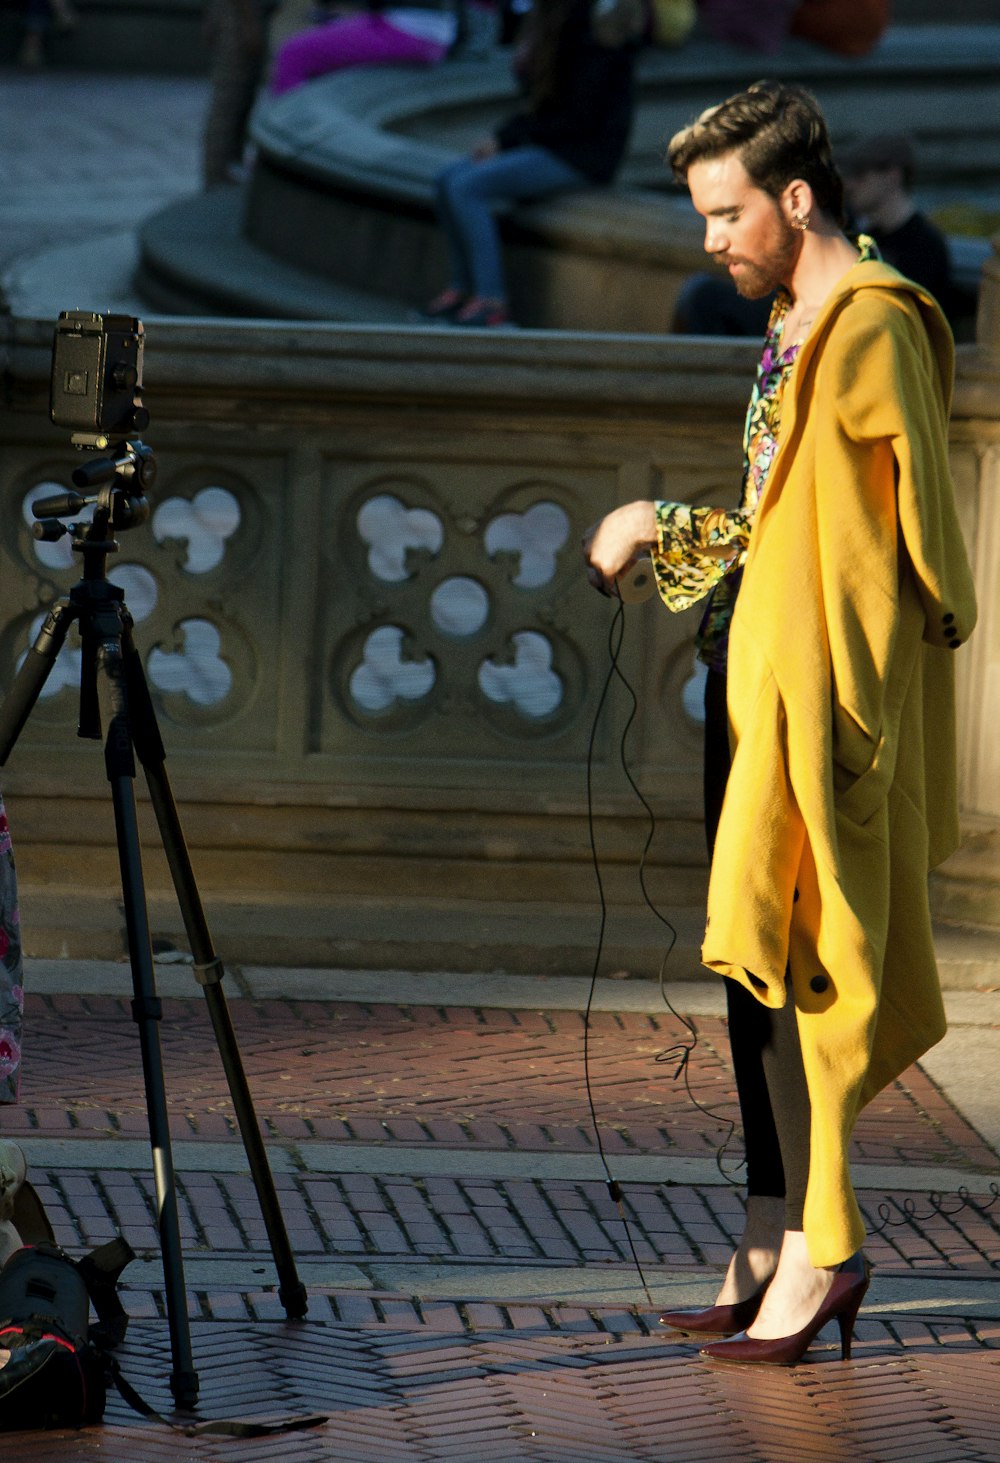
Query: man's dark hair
[[778, 132]]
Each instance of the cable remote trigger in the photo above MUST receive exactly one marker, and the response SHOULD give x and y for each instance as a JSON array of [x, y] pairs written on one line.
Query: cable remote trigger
[[636, 583]]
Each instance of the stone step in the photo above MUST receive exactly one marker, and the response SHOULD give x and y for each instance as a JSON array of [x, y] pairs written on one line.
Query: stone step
[[289, 873], [374, 932], [336, 221], [194, 259], [423, 935], [965, 890], [968, 957]]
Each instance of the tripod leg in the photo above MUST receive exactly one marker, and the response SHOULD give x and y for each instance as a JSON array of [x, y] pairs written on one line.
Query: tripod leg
[[32, 674], [209, 972], [146, 1010]]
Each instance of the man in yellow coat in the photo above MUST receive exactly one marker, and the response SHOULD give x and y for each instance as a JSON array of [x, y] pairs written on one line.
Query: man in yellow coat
[[840, 591]]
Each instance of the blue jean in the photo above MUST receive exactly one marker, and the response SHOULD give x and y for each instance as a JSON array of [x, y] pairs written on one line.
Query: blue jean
[[466, 193]]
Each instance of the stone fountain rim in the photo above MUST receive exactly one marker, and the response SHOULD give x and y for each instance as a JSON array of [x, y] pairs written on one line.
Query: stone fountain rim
[[338, 129]]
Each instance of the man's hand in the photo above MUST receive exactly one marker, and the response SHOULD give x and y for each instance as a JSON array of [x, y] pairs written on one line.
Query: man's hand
[[485, 148], [614, 543]]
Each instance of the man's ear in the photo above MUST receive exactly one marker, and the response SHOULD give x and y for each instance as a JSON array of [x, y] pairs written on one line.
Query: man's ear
[[797, 201]]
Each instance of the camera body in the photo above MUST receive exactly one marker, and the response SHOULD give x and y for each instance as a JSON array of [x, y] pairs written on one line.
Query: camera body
[[97, 377]]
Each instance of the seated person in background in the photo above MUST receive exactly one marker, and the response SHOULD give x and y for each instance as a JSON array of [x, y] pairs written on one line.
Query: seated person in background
[[709, 304], [878, 175], [367, 35], [510, 18], [571, 132]]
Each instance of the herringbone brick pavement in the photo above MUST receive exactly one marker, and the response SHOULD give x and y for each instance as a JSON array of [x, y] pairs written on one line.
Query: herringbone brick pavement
[[461, 1076], [392, 1395], [550, 1221], [468, 1371]]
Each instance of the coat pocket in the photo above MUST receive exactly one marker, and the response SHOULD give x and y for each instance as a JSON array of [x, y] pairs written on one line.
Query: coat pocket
[[859, 796]]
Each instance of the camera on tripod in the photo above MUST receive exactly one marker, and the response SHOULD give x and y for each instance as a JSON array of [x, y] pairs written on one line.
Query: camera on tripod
[[96, 392], [97, 377], [96, 385]]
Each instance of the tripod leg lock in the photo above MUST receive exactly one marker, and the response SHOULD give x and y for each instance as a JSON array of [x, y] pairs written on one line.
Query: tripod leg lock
[[147, 1008], [210, 973]]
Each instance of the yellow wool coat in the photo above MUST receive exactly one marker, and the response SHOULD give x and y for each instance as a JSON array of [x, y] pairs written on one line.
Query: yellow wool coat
[[842, 794]]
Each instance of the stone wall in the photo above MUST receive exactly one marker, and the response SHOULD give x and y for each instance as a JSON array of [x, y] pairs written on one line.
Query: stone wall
[[375, 658], [376, 663], [968, 887]]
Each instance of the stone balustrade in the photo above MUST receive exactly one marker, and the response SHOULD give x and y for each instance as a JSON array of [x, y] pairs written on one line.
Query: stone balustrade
[[968, 887], [376, 662], [363, 617]]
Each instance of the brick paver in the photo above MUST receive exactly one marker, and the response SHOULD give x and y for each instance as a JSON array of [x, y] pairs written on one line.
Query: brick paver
[[379, 1073], [391, 1392], [409, 1374], [462, 1079]]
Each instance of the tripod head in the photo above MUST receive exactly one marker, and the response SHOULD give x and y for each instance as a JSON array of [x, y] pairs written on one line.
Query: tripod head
[[120, 502]]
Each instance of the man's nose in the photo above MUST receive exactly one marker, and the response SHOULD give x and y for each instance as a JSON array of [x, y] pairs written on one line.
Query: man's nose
[[715, 237]]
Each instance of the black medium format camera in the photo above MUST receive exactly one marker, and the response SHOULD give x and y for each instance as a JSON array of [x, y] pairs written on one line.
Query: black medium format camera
[[96, 391], [97, 377]]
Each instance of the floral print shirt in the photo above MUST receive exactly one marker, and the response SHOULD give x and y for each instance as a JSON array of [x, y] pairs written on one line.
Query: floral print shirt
[[11, 994], [702, 551]]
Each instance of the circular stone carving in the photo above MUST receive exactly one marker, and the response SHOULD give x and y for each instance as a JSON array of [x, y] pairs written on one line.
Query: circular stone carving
[[460, 606]]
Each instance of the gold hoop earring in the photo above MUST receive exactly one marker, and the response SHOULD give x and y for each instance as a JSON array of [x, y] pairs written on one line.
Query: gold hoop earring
[[800, 221]]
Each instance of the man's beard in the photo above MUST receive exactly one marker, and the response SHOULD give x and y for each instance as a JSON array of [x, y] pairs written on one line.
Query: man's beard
[[755, 281]]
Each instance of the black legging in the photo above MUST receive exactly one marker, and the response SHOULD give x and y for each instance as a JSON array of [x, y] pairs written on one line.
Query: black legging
[[767, 1057]]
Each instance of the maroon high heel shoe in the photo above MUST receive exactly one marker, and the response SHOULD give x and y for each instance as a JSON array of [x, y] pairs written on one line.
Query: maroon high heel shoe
[[841, 1304], [716, 1320]]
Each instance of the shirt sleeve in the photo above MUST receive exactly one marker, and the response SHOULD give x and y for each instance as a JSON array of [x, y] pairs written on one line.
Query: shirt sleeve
[[695, 548]]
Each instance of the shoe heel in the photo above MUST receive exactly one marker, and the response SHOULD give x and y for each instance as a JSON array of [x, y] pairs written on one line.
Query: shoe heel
[[845, 1321], [847, 1317]]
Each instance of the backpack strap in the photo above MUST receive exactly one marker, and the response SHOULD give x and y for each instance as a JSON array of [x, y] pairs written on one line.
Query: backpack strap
[[29, 1217], [100, 1271], [227, 1427]]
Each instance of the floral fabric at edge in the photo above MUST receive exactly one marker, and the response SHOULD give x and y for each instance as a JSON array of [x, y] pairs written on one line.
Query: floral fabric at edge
[[11, 993], [702, 550]]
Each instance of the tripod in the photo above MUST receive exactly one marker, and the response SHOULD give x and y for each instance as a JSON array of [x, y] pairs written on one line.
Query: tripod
[[112, 682]]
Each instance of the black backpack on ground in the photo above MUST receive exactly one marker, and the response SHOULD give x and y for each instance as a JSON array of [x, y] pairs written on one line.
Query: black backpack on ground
[[60, 1365], [58, 1368]]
